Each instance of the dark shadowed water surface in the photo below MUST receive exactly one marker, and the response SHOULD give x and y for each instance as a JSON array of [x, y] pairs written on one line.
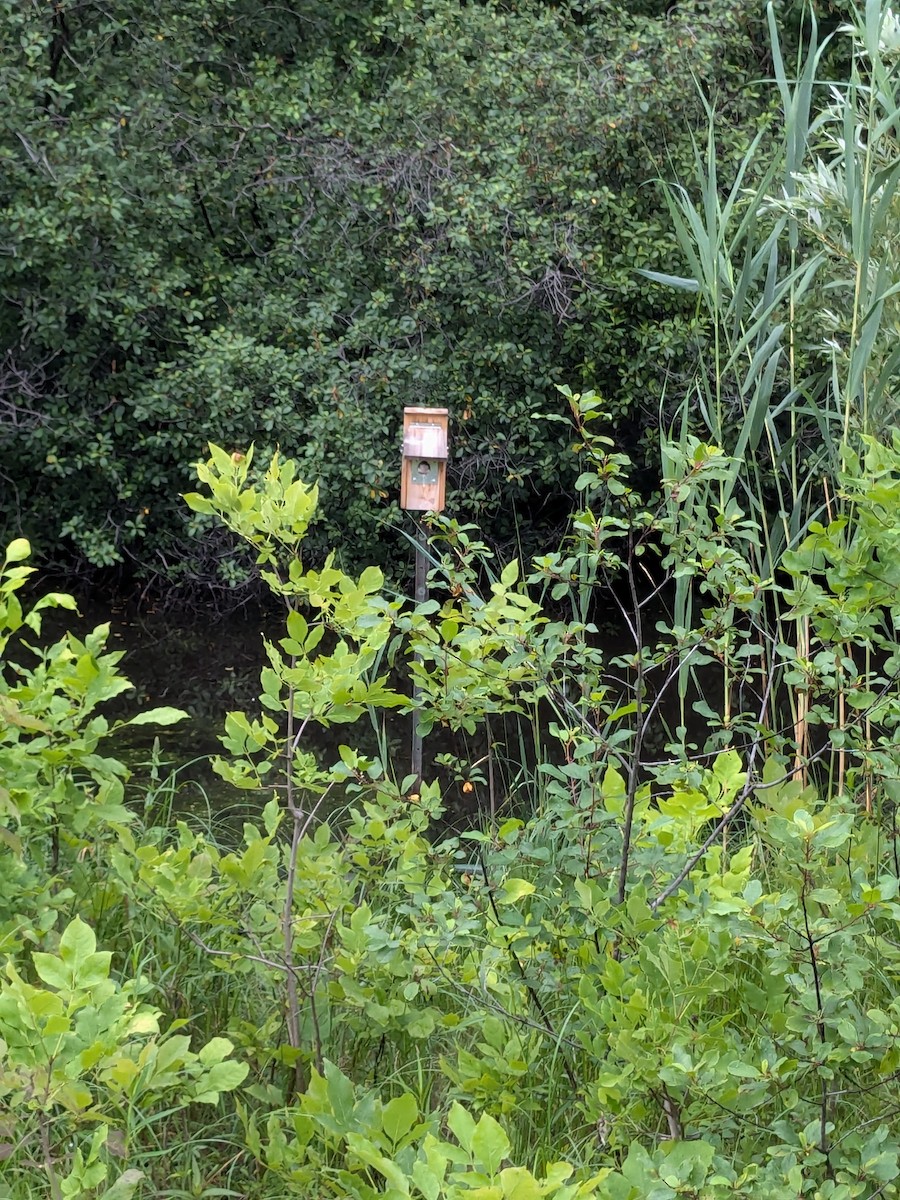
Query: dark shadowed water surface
[[211, 666]]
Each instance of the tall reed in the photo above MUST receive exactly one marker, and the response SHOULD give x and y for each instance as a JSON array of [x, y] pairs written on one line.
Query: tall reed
[[796, 268]]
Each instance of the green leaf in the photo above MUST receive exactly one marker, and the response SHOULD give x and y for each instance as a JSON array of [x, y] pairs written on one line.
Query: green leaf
[[52, 971], [17, 550], [681, 282], [93, 970], [510, 573], [124, 1187], [272, 814], [461, 1126], [490, 1145], [159, 716], [399, 1116], [613, 791], [225, 1076], [427, 1180], [220, 458], [513, 890], [728, 770], [420, 1025], [686, 1162], [296, 626], [743, 1070], [215, 1050], [198, 503], [340, 1095], [56, 600], [519, 1184], [834, 834], [371, 580], [7, 837], [77, 943], [365, 1150]]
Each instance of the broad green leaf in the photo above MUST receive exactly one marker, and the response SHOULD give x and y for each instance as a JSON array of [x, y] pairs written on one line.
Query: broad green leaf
[[513, 890], [77, 943], [743, 1070], [165, 715], [510, 573], [198, 503], [272, 816], [144, 1023], [519, 1184], [426, 1180], [371, 580], [225, 1076], [17, 550], [52, 971], [57, 600], [399, 1116], [340, 1095], [461, 1125], [557, 1173], [834, 834], [296, 626], [215, 1050], [729, 771], [365, 1150], [93, 970], [686, 1162], [490, 1145], [613, 791], [420, 1025], [124, 1187], [7, 836]]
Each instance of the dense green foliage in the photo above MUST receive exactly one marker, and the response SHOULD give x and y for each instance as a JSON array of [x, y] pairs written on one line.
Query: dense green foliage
[[285, 225], [664, 960], [678, 975]]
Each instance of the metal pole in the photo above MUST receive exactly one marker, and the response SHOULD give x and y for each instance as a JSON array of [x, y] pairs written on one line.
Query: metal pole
[[421, 597]]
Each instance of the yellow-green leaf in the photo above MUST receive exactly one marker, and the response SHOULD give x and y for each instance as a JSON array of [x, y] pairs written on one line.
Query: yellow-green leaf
[[17, 550]]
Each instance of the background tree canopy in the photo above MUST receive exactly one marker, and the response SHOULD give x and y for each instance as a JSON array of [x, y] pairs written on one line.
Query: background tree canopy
[[282, 223]]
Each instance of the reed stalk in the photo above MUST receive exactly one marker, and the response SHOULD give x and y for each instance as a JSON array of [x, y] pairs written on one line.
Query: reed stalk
[[796, 269]]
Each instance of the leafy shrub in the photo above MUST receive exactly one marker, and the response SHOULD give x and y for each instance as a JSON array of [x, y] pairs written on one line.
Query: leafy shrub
[[291, 227], [687, 978]]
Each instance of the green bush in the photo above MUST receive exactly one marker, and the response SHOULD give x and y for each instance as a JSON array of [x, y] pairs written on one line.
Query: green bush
[[673, 976], [289, 228], [665, 961]]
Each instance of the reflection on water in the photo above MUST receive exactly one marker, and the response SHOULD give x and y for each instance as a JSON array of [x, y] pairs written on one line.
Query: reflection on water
[[210, 668]]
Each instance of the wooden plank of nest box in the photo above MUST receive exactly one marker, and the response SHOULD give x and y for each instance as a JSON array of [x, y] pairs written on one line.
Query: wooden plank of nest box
[[414, 495]]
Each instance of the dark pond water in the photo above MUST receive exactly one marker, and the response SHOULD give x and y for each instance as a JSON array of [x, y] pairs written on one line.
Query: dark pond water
[[211, 666]]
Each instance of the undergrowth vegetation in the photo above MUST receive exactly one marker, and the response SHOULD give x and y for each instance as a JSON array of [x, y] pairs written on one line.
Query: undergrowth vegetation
[[667, 964]]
